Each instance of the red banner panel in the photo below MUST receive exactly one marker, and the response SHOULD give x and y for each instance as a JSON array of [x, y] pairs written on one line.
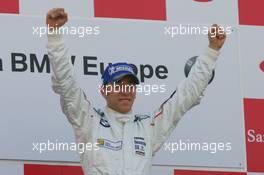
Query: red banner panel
[[31, 169], [133, 9], [254, 124], [34, 169], [72, 170], [9, 6], [251, 12], [261, 66], [189, 172]]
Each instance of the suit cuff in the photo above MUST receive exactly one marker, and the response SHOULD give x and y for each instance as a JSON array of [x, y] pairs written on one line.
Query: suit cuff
[[54, 38], [210, 56]]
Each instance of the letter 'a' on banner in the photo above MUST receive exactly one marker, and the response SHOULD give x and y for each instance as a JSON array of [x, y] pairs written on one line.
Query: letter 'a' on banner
[[251, 12], [9, 6], [132, 9]]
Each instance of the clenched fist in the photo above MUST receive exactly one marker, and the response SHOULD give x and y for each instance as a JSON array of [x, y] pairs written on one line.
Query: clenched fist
[[56, 17], [217, 37]]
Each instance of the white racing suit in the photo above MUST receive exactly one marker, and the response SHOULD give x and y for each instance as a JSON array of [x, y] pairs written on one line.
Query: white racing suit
[[125, 148]]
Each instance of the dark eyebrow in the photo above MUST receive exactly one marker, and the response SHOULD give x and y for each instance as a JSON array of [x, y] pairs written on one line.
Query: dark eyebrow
[[118, 81], [131, 81]]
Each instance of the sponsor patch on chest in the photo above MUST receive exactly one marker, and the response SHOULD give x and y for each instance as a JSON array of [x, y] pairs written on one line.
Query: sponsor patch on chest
[[104, 123], [140, 146], [108, 144]]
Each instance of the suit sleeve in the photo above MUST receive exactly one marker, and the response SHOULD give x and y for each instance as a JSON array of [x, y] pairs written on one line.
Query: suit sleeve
[[187, 94], [74, 103]]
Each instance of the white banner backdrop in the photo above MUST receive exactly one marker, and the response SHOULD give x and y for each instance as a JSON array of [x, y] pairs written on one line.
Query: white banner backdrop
[[30, 110], [11, 168], [196, 11], [251, 59]]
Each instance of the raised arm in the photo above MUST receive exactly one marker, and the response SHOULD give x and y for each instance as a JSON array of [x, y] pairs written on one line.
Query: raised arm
[[73, 100], [188, 93]]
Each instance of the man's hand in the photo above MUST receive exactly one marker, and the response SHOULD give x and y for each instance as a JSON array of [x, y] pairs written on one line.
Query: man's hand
[[217, 37], [56, 17]]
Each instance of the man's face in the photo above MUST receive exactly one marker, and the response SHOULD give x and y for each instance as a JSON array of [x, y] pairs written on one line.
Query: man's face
[[120, 95]]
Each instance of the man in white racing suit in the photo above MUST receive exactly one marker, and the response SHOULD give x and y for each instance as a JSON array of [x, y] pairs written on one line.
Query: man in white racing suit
[[126, 141]]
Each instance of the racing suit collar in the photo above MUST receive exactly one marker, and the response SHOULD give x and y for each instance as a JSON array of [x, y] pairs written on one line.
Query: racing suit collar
[[119, 117]]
